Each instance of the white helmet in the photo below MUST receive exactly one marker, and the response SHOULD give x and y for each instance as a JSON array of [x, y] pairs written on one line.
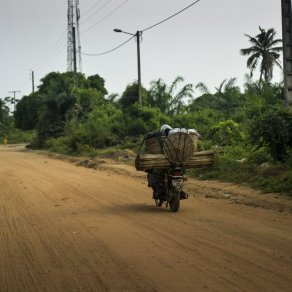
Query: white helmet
[[165, 127]]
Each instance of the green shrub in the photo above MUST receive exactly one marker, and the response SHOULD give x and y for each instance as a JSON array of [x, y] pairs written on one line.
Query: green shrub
[[259, 156], [14, 136], [58, 145], [226, 133], [273, 128]]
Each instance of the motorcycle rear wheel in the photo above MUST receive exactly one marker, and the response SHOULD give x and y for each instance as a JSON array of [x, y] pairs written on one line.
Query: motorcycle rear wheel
[[174, 203]]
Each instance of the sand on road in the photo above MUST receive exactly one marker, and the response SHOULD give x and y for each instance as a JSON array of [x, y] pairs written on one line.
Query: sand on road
[[69, 228]]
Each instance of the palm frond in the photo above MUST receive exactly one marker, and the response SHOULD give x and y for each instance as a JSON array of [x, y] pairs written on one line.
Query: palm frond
[[249, 51], [174, 84], [202, 87], [276, 49], [219, 89], [230, 83]]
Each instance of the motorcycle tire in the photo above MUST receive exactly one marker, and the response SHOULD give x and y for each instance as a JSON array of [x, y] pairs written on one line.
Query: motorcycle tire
[[174, 203]]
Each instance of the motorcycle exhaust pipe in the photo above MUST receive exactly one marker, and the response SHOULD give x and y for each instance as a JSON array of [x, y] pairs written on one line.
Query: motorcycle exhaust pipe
[[184, 196]]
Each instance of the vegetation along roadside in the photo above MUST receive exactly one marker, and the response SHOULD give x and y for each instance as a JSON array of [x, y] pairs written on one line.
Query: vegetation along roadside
[[74, 114]]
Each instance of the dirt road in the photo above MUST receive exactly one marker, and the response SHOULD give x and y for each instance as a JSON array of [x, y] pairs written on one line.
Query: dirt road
[[69, 228]]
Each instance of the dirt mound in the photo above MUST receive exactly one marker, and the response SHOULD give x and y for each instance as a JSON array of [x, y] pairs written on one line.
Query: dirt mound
[[121, 155]]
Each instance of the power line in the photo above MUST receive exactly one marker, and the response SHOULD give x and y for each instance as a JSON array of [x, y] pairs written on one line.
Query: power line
[[89, 9], [108, 15], [23, 85], [108, 2], [99, 54], [49, 61], [171, 16], [43, 68], [53, 49]]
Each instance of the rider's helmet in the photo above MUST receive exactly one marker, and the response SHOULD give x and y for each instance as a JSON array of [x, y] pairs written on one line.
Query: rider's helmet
[[165, 129]]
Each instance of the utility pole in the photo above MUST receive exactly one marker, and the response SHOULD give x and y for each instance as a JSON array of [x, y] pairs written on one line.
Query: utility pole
[[73, 37], [14, 98], [32, 80], [74, 50], [138, 37], [287, 50]]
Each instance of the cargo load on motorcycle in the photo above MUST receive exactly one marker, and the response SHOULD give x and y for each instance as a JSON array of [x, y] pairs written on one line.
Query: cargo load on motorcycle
[[166, 155]]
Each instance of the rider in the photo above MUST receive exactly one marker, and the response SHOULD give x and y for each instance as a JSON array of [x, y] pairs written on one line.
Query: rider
[[156, 176]]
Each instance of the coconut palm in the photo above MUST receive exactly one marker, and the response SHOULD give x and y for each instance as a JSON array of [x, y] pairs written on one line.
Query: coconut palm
[[264, 50]]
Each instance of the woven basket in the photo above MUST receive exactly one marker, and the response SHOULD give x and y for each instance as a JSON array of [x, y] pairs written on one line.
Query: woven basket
[[154, 142], [195, 138], [178, 147]]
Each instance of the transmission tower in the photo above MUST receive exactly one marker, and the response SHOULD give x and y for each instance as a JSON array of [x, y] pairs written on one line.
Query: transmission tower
[[74, 63]]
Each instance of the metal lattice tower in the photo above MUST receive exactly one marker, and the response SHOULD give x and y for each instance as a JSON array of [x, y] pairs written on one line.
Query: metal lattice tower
[[74, 63]]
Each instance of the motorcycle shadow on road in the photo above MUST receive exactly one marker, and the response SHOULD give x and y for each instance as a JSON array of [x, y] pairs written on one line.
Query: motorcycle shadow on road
[[147, 208]]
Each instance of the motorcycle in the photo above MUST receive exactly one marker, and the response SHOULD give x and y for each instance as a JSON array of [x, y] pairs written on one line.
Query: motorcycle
[[172, 189], [165, 159]]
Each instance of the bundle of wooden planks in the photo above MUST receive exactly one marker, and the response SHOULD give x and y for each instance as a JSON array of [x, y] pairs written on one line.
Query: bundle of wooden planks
[[199, 159]]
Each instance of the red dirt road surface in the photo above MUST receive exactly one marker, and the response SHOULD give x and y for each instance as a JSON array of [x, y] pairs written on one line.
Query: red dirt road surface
[[69, 228]]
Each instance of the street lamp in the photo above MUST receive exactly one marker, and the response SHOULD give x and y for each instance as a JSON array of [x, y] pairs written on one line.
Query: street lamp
[[138, 37]]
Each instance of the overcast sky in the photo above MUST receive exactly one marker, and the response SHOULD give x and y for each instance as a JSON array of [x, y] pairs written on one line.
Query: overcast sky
[[201, 44]]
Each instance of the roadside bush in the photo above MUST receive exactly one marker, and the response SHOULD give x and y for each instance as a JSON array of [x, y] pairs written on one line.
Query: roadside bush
[[274, 178], [58, 145], [14, 136], [226, 133], [259, 156], [273, 128], [205, 144]]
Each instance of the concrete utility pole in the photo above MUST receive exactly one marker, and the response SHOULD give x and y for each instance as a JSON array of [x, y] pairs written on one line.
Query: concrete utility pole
[[287, 50], [73, 37]]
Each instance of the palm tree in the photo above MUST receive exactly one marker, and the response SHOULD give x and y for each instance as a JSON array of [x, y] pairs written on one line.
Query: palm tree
[[203, 88], [227, 97], [264, 49], [166, 97]]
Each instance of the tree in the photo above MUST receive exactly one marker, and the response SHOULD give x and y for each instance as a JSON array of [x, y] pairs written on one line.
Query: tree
[[141, 120], [27, 112], [273, 128], [97, 82], [4, 112], [227, 97], [264, 49], [131, 96], [56, 83], [165, 98], [12, 101]]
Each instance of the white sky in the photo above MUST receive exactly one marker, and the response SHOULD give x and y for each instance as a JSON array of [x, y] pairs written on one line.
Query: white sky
[[200, 44]]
